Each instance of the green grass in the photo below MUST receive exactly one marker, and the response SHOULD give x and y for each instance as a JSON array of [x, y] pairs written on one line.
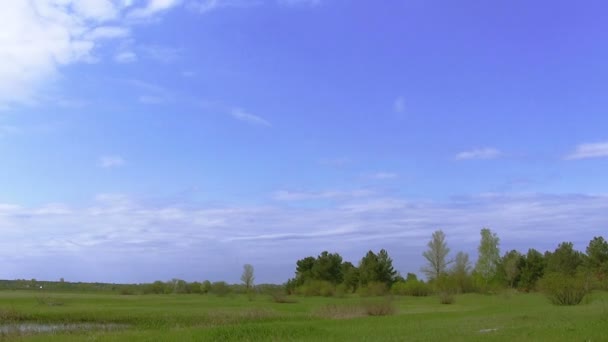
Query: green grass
[[509, 317]]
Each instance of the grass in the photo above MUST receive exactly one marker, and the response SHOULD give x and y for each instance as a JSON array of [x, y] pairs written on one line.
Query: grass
[[471, 317]]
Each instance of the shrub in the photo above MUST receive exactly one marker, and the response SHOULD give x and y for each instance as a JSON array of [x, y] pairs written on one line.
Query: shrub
[[373, 289], [563, 289], [281, 297], [316, 288], [414, 288], [220, 288], [379, 308], [446, 297]]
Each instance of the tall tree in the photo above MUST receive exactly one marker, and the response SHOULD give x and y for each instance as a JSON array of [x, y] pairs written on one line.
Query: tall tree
[[248, 277], [386, 272], [532, 269], [488, 255], [510, 267], [565, 259], [327, 267], [436, 256], [597, 257]]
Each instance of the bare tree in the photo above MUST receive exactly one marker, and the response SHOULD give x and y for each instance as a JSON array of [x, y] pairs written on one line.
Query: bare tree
[[436, 256], [247, 277]]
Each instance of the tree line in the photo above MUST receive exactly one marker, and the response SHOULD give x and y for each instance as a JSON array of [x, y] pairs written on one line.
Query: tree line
[[328, 274]]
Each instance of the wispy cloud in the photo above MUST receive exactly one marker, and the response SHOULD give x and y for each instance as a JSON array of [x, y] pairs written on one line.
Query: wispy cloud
[[244, 116], [163, 54], [590, 150], [153, 7], [285, 195], [399, 105], [125, 57], [480, 153], [76, 30], [205, 6], [383, 175], [108, 162], [115, 230]]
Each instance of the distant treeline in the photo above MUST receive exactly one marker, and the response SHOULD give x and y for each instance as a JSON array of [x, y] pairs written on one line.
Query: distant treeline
[[564, 268], [174, 286]]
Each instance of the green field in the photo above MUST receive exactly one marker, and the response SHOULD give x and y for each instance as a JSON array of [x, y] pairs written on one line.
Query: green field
[[504, 317]]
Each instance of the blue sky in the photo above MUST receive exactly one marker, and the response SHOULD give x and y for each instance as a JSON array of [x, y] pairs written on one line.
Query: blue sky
[[152, 139]]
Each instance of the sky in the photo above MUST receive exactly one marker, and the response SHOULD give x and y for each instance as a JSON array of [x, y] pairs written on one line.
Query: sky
[[146, 140]]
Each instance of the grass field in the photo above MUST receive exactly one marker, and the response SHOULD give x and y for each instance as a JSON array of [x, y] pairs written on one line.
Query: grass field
[[473, 317]]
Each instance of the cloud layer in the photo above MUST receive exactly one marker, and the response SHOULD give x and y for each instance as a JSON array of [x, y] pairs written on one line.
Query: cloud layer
[[148, 241]]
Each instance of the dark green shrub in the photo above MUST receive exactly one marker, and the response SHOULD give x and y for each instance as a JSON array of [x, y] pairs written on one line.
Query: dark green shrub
[[563, 289]]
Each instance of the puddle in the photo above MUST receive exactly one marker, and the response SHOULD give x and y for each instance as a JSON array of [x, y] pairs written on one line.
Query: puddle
[[485, 331], [39, 328]]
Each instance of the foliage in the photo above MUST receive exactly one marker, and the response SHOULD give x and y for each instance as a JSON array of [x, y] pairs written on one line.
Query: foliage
[[510, 267], [564, 259], [247, 278], [488, 258], [532, 268], [563, 289], [374, 288], [412, 287], [376, 268], [461, 273], [436, 256]]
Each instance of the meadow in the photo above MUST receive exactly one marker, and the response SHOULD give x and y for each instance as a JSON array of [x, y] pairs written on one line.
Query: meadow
[[508, 316]]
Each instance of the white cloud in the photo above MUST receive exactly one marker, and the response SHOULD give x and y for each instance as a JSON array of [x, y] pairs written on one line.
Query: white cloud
[[95, 9], [119, 238], [108, 32], [108, 162], [590, 150], [125, 57], [153, 7], [161, 54], [204, 6], [242, 115], [399, 105], [480, 153], [384, 175], [285, 195], [39, 37]]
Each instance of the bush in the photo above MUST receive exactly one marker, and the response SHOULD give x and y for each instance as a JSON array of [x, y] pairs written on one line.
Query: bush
[[373, 289], [220, 288], [563, 289], [414, 288], [316, 288], [379, 308], [446, 297], [282, 298]]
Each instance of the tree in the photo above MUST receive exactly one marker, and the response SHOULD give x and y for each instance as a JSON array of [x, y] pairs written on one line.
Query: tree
[[564, 259], [436, 256], [247, 277], [461, 272], [532, 269], [489, 256], [351, 276], [510, 267], [327, 267], [597, 257], [376, 268]]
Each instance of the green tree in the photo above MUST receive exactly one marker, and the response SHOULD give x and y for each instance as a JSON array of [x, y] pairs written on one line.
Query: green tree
[[489, 256], [436, 256], [510, 267], [327, 267], [351, 276], [248, 277], [597, 258], [532, 269], [565, 259], [461, 272], [376, 268]]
